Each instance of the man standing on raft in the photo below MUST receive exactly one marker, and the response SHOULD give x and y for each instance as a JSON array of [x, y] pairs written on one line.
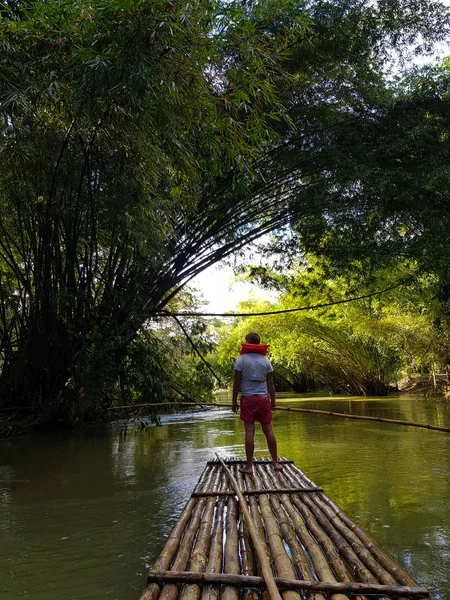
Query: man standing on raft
[[253, 377]]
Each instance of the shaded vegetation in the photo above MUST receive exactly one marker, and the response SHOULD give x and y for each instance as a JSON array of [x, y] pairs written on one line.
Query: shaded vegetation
[[143, 142]]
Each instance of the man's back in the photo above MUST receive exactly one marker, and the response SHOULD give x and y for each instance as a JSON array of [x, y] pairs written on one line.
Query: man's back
[[255, 368]]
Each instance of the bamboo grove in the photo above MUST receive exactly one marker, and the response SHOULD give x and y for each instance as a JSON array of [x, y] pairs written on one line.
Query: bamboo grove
[[144, 141]]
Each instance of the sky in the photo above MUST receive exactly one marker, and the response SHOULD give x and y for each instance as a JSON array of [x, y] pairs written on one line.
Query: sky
[[223, 294]]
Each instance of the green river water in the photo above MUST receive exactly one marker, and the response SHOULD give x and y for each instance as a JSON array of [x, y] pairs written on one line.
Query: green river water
[[84, 513]]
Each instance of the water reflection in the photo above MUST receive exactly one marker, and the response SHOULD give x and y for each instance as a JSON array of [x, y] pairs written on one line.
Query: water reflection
[[83, 515]]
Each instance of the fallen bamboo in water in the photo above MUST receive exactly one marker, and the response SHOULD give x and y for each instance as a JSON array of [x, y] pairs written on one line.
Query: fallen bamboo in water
[[290, 584], [327, 413], [330, 413]]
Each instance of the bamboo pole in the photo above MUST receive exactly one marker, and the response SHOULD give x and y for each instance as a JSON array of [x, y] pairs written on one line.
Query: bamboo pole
[[306, 522], [327, 413], [402, 576], [200, 551], [170, 404], [272, 511], [265, 565], [284, 506], [312, 544], [246, 557], [243, 550], [282, 562], [290, 584], [358, 567], [344, 549], [231, 553], [170, 592], [214, 565], [247, 484], [239, 461], [330, 413], [258, 492], [163, 561], [385, 569], [362, 551]]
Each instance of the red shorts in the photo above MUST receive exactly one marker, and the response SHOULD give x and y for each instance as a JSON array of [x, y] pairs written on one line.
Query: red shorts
[[256, 408]]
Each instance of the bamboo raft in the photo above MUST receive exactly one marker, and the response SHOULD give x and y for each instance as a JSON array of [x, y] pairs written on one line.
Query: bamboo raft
[[270, 535]]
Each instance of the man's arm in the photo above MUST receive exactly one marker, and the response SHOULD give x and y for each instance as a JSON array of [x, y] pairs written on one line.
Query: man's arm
[[236, 389], [271, 389]]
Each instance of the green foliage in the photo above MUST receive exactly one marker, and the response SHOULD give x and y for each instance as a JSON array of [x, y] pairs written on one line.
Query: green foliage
[[144, 141], [117, 118], [357, 348]]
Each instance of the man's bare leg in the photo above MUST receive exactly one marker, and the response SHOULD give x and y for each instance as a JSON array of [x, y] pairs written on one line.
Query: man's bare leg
[[272, 445], [249, 447]]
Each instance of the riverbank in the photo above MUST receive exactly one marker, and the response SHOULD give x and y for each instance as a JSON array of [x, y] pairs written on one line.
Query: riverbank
[[434, 386], [18, 421]]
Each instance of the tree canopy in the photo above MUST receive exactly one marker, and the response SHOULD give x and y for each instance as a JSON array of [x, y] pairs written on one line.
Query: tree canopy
[[144, 141]]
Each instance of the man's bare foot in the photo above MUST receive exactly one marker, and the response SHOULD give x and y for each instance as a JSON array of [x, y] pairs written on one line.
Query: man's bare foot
[[247, 470], [277, 466]]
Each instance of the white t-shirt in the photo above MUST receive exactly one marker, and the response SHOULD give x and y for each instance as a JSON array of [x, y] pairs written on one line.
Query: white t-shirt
[[255, 368]]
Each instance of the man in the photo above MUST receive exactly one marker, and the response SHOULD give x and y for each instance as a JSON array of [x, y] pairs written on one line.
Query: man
[[253, 377]]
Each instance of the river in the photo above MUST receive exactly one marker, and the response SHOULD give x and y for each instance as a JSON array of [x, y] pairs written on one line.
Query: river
[[84, 513]]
